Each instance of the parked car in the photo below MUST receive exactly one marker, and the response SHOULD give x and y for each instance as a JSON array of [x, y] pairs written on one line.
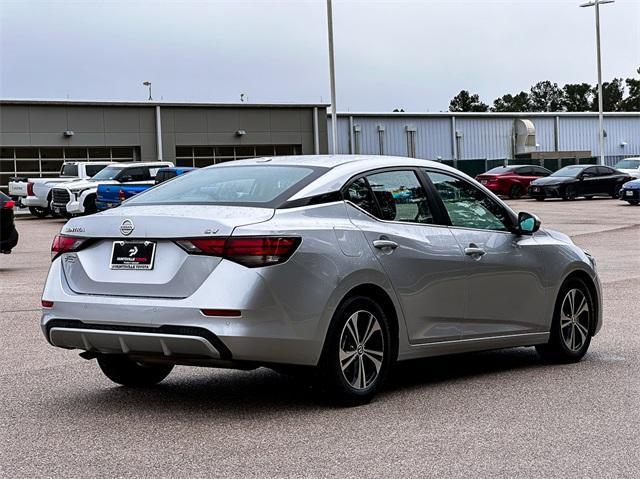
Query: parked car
[[35, 193], [630, 192], [630, 166], [573, 181], [110, 196], [8, 231], [312, 264], [79, 197], [512, 181]]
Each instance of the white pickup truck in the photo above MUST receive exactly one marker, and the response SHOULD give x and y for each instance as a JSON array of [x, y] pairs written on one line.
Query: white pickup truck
[[35, 193], [79, 197]]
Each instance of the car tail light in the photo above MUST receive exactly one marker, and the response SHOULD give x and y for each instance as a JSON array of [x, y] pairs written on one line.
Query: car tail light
[[249, 251], [121, 196], [8, 205], [30, 189], [66, 244]]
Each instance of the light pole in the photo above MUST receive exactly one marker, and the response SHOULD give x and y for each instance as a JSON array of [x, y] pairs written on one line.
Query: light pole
[[332, 77], [597, 3], [148, 83]]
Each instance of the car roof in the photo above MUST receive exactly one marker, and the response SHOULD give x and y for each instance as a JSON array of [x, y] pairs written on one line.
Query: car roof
[[326, 161], [341, 168], [178, 168]]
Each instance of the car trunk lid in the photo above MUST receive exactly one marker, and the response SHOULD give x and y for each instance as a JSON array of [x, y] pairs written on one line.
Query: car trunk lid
[[173, 273]]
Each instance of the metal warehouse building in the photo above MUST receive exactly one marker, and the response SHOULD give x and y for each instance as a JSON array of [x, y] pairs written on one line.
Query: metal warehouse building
[[463, 136], [37, 136]]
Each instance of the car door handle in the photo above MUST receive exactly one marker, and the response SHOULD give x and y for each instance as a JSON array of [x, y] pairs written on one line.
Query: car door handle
[[473, 250], [381, 244]]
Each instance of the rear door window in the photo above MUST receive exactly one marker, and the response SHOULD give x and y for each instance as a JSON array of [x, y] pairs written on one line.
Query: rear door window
[[539, 171], [399, 196], [525, 171], [69, 170], [360, 195], [92, 170]]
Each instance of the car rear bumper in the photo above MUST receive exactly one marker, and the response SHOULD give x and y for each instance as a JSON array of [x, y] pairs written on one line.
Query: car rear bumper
[[264, 333], [34, 201], [167, 342]]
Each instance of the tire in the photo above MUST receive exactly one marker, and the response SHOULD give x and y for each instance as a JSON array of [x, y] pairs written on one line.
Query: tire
[[39, 212], [122, 370], [515, 191], [570, 333], [569, 193], [352, 371], [634, 202]]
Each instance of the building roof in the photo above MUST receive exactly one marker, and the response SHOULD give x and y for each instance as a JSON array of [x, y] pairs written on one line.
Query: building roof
[[67, 102], [488, 114]]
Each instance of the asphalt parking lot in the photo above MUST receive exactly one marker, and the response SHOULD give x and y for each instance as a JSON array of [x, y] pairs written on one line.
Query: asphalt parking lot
[[492, 414]]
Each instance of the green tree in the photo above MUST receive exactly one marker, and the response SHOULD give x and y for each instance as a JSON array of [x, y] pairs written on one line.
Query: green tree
[[546, 96], [508, 102], [577, 96], [632, 101], [612, 93], [464, 101]]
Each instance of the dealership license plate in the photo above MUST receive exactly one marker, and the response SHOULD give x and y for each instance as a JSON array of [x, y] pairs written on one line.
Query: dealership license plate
[[628, 193], [138, 255]]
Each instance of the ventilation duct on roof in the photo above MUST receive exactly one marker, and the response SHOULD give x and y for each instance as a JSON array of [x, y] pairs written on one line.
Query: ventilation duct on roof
[[525, 136]]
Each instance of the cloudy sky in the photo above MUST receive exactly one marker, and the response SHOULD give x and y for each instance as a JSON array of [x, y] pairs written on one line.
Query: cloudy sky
[[410, 54]]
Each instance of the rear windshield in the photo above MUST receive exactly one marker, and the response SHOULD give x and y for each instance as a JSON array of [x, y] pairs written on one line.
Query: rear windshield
[[261, 185], [69, 170]]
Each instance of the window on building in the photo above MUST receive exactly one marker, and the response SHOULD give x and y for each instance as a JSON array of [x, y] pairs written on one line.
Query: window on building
[[201, 156]]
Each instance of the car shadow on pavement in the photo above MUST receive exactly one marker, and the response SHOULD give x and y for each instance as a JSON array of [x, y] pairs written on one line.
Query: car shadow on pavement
[[200, 391], [444, 369]]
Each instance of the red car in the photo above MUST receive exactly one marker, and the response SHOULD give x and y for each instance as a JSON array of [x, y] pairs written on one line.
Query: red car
[[512, 181]]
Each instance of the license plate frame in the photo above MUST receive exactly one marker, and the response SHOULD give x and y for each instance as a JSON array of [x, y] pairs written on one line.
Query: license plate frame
[[133, 255]]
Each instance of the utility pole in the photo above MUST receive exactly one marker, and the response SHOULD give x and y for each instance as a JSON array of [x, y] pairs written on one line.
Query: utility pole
[[332, 76], [597, 3]]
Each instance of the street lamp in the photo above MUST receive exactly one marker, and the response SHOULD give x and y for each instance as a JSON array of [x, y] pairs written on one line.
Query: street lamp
[[597, 3], [332, 78], [148, 83]]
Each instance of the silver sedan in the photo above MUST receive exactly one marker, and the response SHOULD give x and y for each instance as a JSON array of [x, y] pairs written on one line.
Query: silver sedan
[[333, 266]]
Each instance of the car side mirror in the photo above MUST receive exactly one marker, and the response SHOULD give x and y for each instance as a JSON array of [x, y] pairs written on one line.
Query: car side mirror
[[527, 223]]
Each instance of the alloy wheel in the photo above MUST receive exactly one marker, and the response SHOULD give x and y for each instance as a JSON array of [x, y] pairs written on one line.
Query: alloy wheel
[[574, 319], [362, 349]]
